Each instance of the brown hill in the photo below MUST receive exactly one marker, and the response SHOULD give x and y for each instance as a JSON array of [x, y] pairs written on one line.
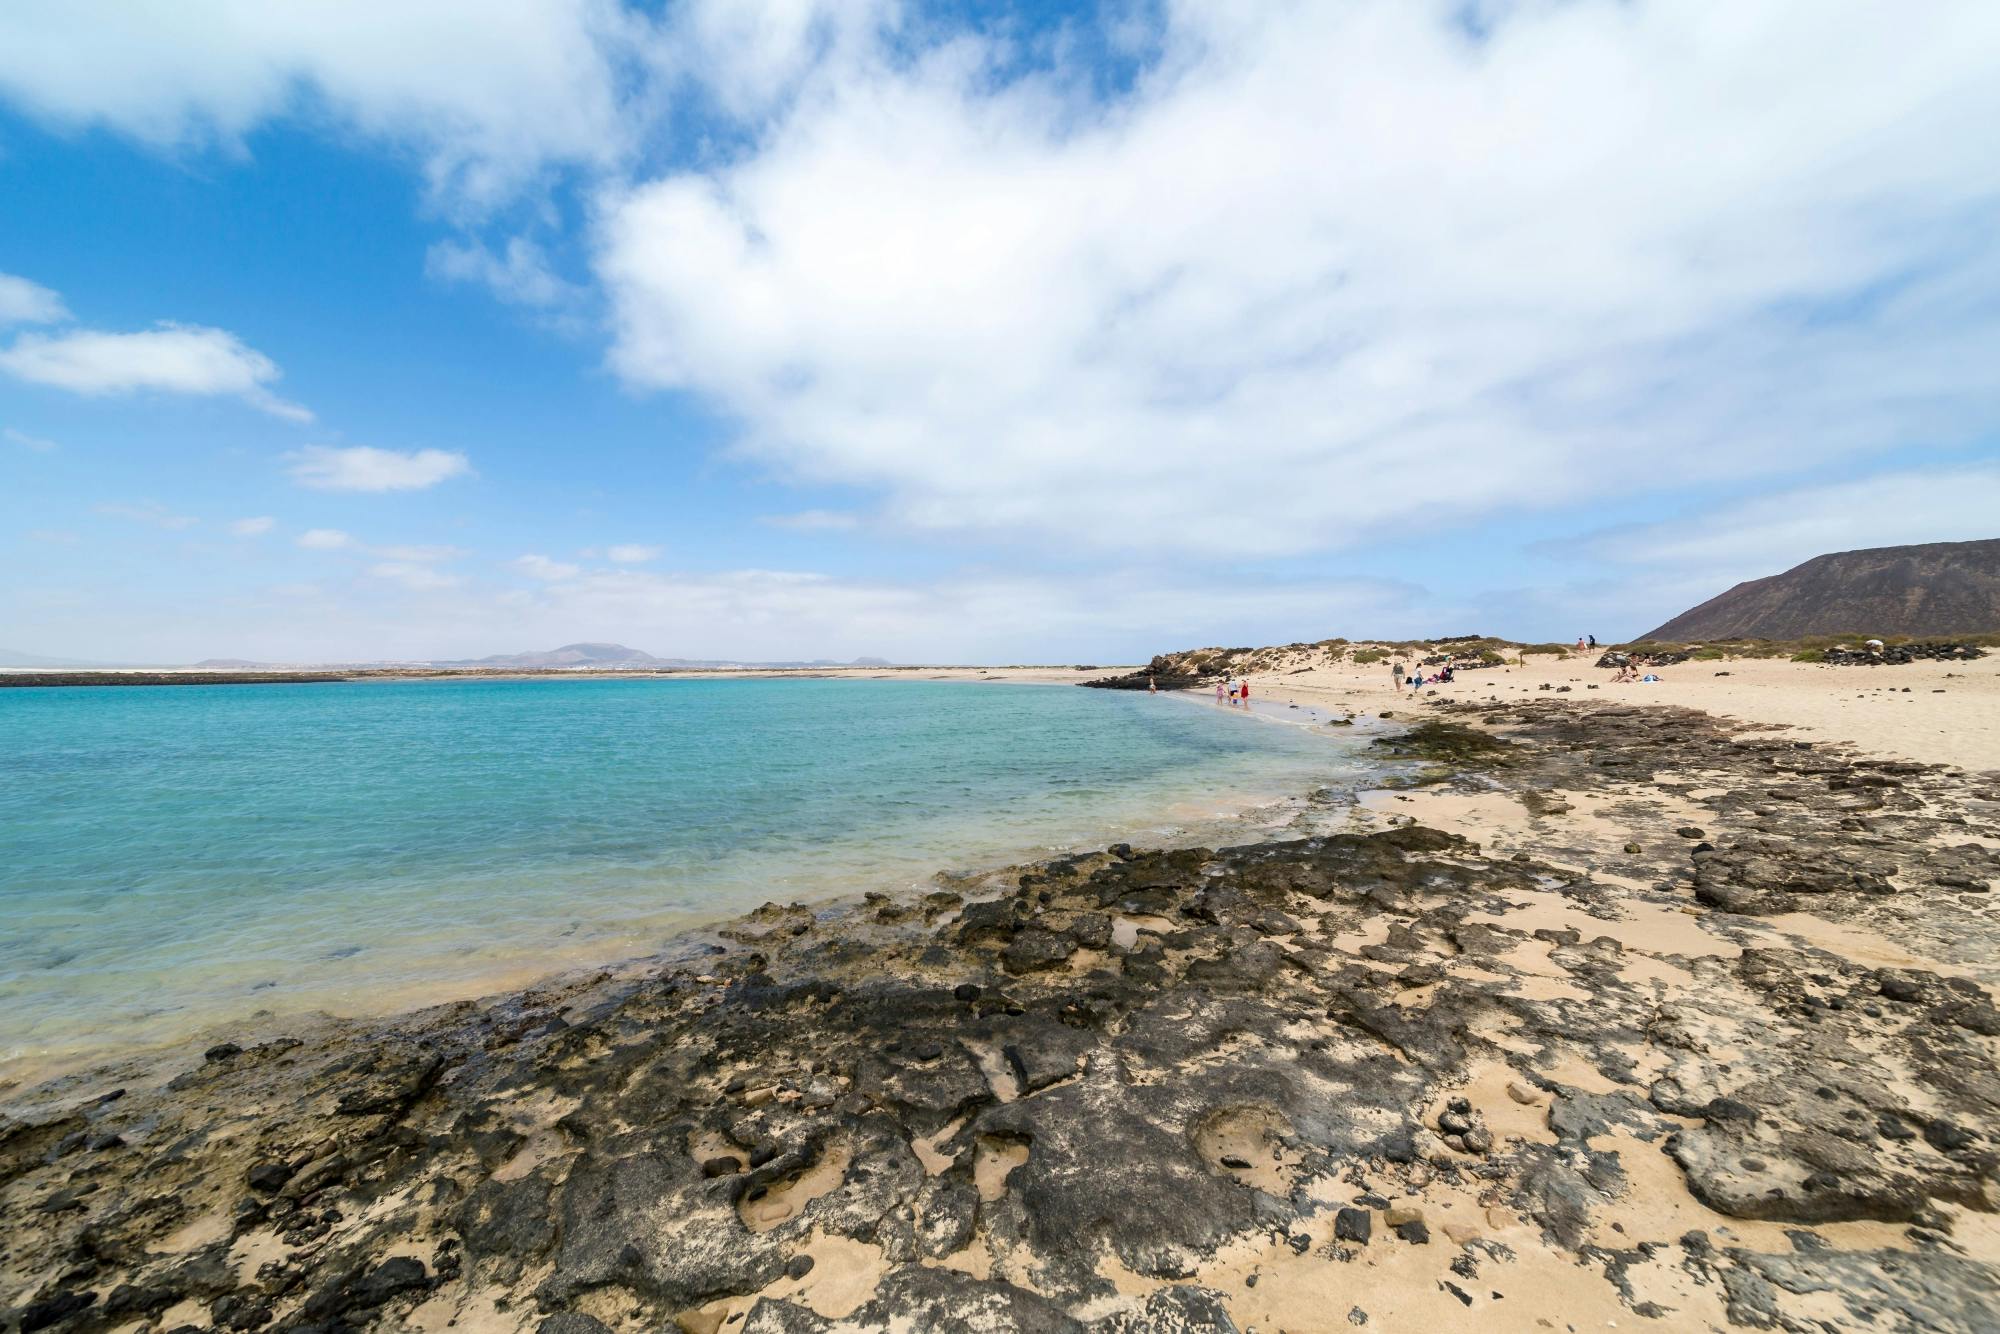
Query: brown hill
[[1939, 588]]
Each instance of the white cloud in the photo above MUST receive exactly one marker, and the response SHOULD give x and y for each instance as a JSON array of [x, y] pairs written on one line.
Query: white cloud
[[35, 442], [631, 553], [170, 358], [414, 576], [519, 274], [149, 512], [487, 94], [1333, 273], [545, 569], [1770, 534], [363, 468], [815, 521], [256, 527], [324, 539], [418, 553], [23, 302]]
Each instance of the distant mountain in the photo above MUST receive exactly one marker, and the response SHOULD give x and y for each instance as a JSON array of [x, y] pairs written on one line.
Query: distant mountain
[[569, 655], [228, 662], [618, 655], [1939, 588]]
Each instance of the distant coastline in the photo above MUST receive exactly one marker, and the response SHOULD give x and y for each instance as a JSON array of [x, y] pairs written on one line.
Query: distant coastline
[[196, 676]]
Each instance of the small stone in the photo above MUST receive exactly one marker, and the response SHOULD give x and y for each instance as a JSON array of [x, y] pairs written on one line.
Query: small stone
[[1356, 1225], [1461, 1234], [1522, 1094], [1691, 831], [1634, 848], [221, 1051], [757, 1097], [269, 1177], [1398, 1214], [798, 1267], [1235, 1164], [1415, 1233], [1356, 1316], [722, 1165], [966, 991]]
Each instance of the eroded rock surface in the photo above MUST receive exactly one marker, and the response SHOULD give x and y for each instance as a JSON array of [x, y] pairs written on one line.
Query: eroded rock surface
[[1281, 1085]]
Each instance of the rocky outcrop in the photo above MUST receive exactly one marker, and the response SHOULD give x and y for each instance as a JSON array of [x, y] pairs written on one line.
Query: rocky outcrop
[[1074, 1095]]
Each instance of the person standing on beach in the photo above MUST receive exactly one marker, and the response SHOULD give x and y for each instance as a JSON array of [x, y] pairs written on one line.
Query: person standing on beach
[[1219, 687], [1245, 691], [1396, 675]]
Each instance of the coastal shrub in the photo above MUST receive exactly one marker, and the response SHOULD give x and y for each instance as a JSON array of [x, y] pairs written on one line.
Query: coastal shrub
[[1547, 650], [1364, 656], [1810, 655], [1707, 655]]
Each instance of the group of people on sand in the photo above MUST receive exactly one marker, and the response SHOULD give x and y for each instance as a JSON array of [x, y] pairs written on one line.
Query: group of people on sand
[[1442, 677], [1236, 692]]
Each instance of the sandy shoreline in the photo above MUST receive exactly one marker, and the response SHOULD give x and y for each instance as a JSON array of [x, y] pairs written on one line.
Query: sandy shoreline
[[1234, 816], [1623, 1014]]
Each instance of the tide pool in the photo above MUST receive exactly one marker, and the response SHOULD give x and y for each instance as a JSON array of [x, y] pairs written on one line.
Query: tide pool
[[176, 857]]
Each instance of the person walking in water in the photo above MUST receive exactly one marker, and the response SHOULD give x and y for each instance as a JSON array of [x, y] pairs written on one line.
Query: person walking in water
[[1219, 688], [1244, 691]]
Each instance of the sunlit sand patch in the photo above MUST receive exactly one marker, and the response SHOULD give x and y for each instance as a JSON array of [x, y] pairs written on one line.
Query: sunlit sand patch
[[993, 1063], [1374, 930], [1505, 1114], [192, 1236], [1656, 1205], [1852, 941], [1247, 1143], [1400, 1286], [765, 1208], [1540, 977], [1653, 928], [1125, 928], [470, 1313], [930, 1149], [1572, 1071], [995, 1159], [974, 1258]]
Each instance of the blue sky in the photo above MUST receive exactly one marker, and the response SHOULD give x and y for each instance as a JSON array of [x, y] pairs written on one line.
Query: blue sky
[[973, 333]]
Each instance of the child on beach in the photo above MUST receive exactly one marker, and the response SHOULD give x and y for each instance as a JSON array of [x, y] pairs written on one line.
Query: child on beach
[[1218, 692]]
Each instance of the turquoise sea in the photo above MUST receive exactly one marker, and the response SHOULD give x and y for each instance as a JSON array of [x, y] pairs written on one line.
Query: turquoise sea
[[176, 857]]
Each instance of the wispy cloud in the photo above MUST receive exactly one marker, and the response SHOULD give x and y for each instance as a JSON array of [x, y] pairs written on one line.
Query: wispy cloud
[[168, 358], [518, 273], [256, 527], [486, 95], [35, 442], [631, 553], [545, 569], [324, 539], [815, 521], [1328, 271], [362, 468], [1768, 534], [23, 302], [150, 512], [415, 576]]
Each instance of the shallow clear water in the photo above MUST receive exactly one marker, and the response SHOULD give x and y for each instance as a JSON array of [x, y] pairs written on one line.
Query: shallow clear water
[[175, 856]]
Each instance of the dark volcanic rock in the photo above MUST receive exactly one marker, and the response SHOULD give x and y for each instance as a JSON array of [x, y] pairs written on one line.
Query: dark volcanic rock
[[994, 1082], [1938, 588]]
